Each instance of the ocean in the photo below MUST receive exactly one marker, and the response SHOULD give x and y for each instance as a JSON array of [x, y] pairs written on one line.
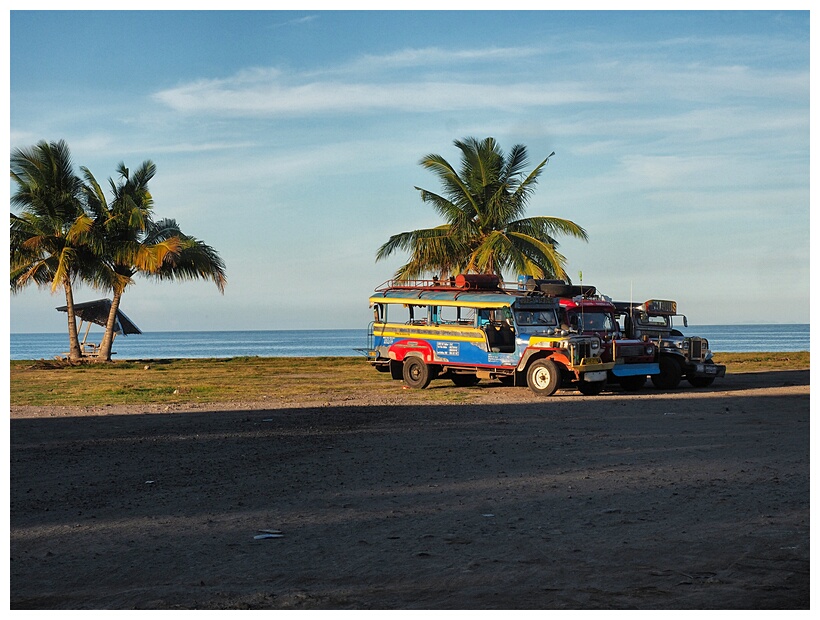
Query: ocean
[[345, 342]]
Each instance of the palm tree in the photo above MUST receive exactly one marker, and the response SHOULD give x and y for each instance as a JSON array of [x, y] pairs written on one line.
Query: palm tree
[[48, 239], [485, 230], [129, 242]]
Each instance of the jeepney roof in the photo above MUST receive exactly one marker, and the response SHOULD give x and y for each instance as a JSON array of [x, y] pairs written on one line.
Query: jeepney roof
[[474, 299], [585, 303], [653, 307]]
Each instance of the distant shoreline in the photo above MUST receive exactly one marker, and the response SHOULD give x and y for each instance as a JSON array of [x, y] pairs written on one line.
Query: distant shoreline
[[333, 329], [348, 342]]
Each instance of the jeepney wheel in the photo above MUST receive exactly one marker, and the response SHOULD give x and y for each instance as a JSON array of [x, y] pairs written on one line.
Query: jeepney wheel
[[416, 373], [543, 377], [591, 388], [463, 380], [700, 382], [396, 370], [632, 384], [670, 374]]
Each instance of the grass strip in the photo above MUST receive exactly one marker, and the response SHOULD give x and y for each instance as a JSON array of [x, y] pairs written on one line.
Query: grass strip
[[254, 379]]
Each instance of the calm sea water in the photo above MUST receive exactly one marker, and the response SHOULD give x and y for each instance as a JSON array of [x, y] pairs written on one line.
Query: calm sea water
[[344, 342]]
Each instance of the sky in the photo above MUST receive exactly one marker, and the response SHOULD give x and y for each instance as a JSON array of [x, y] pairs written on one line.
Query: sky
[[290, 142]]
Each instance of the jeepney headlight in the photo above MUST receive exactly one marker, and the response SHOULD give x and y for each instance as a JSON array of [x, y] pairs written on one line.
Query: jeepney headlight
[[650, 349], [595, 344]]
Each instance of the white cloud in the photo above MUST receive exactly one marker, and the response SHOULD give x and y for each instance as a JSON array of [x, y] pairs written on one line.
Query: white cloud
[[268, 96], [437, 56]]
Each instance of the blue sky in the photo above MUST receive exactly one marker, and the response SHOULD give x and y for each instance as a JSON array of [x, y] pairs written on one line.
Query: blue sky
[[290, 142]]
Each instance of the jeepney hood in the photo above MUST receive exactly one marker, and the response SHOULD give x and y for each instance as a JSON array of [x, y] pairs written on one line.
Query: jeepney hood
[[686, 345]]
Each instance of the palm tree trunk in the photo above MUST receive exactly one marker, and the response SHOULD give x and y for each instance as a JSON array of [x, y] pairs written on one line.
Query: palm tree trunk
[[74, 351], [104, 354]]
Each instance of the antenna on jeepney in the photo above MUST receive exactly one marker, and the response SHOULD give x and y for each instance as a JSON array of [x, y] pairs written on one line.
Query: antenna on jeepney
[[581, 280]]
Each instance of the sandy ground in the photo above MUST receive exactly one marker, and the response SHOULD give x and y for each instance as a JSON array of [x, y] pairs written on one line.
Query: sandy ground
[[676, 500]]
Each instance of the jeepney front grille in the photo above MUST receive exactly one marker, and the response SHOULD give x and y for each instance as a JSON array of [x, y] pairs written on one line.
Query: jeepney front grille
[[581, 350], [629, 350], [696, 348]]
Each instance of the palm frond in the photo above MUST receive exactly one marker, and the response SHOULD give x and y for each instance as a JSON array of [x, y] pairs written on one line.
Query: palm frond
[[408, 240], [545, 227], [456, 189], [538, 258], [491, 255], [193, 260]]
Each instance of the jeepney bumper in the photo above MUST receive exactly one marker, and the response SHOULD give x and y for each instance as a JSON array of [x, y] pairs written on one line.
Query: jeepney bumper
[[706, 370], [636, 370], [593, 370]]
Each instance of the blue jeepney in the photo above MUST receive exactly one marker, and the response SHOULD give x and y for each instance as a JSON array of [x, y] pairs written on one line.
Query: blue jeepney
[[470, 328]]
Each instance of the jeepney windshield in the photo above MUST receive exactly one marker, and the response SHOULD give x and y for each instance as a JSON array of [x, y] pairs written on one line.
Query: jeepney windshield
[[536, 318], [655, 320], [592, 321]]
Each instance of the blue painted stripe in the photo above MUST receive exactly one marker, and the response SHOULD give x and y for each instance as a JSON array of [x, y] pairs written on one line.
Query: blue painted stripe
[[635, 370]]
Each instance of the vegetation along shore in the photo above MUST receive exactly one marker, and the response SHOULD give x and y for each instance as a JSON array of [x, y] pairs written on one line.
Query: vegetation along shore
[[267, 380]]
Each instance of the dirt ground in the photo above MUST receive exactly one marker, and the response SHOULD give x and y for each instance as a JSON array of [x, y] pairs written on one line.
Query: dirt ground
[[654, 500]]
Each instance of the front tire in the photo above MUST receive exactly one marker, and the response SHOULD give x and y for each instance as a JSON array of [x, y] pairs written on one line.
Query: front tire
[[543, 377], [416, 373], [670, 374], [632, 384], [701, 382], [591, 388]]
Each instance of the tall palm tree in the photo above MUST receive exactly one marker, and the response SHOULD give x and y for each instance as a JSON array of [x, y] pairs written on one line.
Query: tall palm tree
[[483, 205], [48, 239], [130, 242]]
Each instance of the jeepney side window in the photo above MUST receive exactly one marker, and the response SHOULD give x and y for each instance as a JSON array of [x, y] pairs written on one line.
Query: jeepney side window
[[455, 315], [420, 315]]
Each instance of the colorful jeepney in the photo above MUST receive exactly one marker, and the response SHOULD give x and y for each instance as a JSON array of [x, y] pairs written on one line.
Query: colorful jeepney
[[584, 311], [635, 358], [470, 328]]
